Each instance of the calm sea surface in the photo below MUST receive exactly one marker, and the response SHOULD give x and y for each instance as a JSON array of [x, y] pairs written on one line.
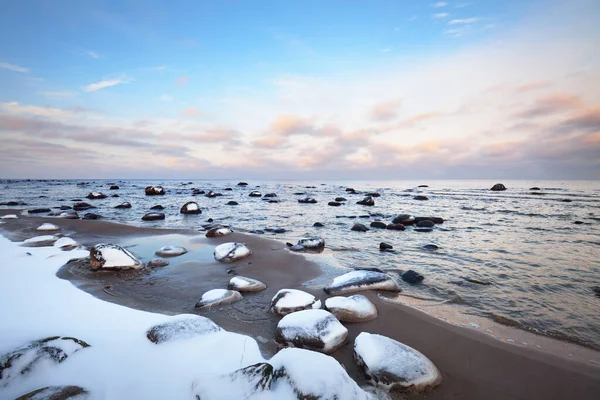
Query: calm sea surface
[[541, 263]]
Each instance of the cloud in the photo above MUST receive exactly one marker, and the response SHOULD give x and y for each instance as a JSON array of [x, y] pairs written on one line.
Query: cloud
[[463, 21], [104, 84], [192, 111], [14, 108], [183, 80], [92, 54], [440, 15], [530, 86], [166, 98], [57, 94], [13, 67], [439, 4], [385, 111], [553, 104]]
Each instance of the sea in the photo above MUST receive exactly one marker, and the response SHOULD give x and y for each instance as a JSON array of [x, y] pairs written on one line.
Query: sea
[[522, 257]]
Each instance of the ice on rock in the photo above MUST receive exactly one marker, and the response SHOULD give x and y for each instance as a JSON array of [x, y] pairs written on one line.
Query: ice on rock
[[317, 330], [38, 241], [287, 301], [244, 284], [112, 256], [186, 327], [360, 280], [9, 216], [47, 227], [65, 243], [355, 308], [170, 251], [56, 393], [219, 231], [230, 252], [217, 297], [392, 365]]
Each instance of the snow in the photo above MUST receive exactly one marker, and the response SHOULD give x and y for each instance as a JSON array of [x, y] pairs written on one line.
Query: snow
[[229, 252], [40, 239], [47, 227], [302, 328], [117, 257], [9, 216], [171, 251], [218, 296], [214, 295], [192, 206], [362, 280], [290, 300], [245, 284], [65, 242], [355, 308]]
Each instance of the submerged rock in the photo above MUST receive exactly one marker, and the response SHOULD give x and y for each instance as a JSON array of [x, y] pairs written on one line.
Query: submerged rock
[[394, 366], [154, 191], [425, 224], [170, 251], [404, 219], [153, 216], [395, 227], [114, 257], [124, 205], [334, 204], [356, 308], [340, 199], [317, 330], [412, 277], [157, 263], [82, 206], [96, 196], [430, 247], [230, 252], [191, 207], [307, 200], [435, 220], [360, 280], [287, 301], [367, 201], [232, 203], [185, 328], [56, 393], [420, 197], [157, 207], [91, 216], [217, 297], [218, 231], [39, 210], [498, 187], [384, 246], [244, 284], [47, 227], [359, 228], [378, 224]]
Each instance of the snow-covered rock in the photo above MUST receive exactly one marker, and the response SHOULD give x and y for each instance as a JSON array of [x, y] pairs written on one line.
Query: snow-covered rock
[[38, 241], [68, 215], [244, 284], [317, 330], [170, 251], [191, 207], [217, 297], [9, 216], [47, 227], [220, 231], [123, 205], [96, 196], [230, 252], [255, 194], [65, 243], [56, 393], [22, 361], [157, 262], [154, 191], [112, 256], [392, 365], [187, 327], [287, 301], [355, 308], [312, 243], [360, 280]]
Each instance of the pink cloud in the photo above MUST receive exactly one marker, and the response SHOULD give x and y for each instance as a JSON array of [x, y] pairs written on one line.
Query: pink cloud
[[183, 80]]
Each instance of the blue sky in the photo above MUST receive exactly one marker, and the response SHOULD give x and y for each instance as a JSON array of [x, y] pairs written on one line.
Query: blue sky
[[195, 84]]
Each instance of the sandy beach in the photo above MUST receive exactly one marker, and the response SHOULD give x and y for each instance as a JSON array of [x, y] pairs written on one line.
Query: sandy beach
[[473, 364]]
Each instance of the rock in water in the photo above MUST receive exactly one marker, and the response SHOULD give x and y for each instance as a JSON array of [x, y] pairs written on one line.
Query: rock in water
[[96, 196], [56, 393], [230, 252], [420, 198], [114, 187], [232, 203], [394, 366], [157, 207], [360, 280], [412, 277], [244, 284], [287, 301], [425, 224], [82, 206], [334, 204], [317, 330], [157, 263], [92, 216], [498, 187], [359, 228], [216, 232], [255, 194], [318, 225], [170, 251], [404, 219], [430, 247], [435, 220], [112, 256], [356, 308], [153, 216], [384, 246], [154, 191], [187, 327], [191, 207], [340, 199], [47, 227], [22, 361], [217, 297], [312, 243], [367, 201], [39, 210], [123, 205], [395, 227], [242, 184], [68, 215], [307, 200], [378, 224], [40, 241]]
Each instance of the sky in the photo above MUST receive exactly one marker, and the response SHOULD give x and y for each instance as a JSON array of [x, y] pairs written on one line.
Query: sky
[[351, 89]]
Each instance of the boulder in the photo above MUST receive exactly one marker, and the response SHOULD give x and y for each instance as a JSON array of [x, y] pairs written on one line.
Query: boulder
[[498, 187], [255, 194], [334, 204], [197, 192], [65, 243], [423, 229], [56, 393], [47, 227], [430, 247], [412, 277], [114, 187], [68, 215], [367, 201], [123, 205], [242, 184], [423, 186], [40, 241], [188, 326], [378, 224], [350, 190], [218, 231], [384, 246], [596, 290], [39, 210], [340, 199], [244, 284], [218, 297], [13, 203], [318, 225], [212, 194], [228, 189], [157, 263], [230, 252], [435, 220], [170, 251], [404, 219], [113, 257], [360, 280], [96, 196], [153, 216], [154, 191], [394, 366], [82, 206], [535, 188], [157, 207], [316, 330], [359, 228], [314, 243], [270, 195], [287, 301], [356, 308], [191, 207], [425, 224], [91, 216], [373, 194], [395, 227], [420, 198], [307, 200]]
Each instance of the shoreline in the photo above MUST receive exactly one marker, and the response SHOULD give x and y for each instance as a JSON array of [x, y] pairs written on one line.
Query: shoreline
[[473, 364]]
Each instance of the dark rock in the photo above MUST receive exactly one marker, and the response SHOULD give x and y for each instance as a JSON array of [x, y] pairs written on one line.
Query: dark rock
[[378, 224], [191, 207], [153, 217], [115, 195], [435, 220], [232, 203], [395, 227], [228, 189], [359, 228], [367, 201], [270, 195], [334, 204], [498, 187], [212, 194], [273, 201], [318, 225], [255, 194], [384, 246], [307, 200], [567, 200], [423, 229], [535, 188], [350, 190], [242, 184], [197, 192], [430, 247], [91, 216], [96, 196], [65, 208], [209, 220], [412, 277], [373, 194], [578, 222], [477, 281], [596, 290], [157, 207], [13, 203], [340, 199], [420, 198], [425, 224], [423, 186], [114, 187], [299, 193], [123, 205], [39, 210], [55, 393], [157, 262], [404, 219], [154, 191]]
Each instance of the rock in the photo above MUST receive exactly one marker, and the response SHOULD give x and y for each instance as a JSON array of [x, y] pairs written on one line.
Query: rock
[[412, 277], [373, 194], [318, 225], [153, 216], [535, 188], [316, 330], [219, 231], [157, 207], [91, 216], [378, 224], [270, 195], [360, 280], [425, 224], [242, 184], [65, 243], [356, 308], [197, 192], [115, 195], [596, 290], [66, 208], [307, 200], [47, 227], [39, 210], [82, 206], [423, 229], [170, 251], [68, 215], [287, 301], [395, 227], [334, 204], [217, 297], [191, 207], [212, 194], [312, 243], [477, 281], [430, 247], [185, 328], [56, 393], [498, 187], [232, 203], [228, 189], [297, 248], [114, 257], [96, 196], [154, 191], [384, 246], [404, 219], [22, 361], [567, 200], [114, 187], [578, 222], [123, 205], [423, 186], [13, 203], [420, 198], [255, 194], [230, 252], [9, 216], [394, 366], [435, 220], [367, 201], [157, 263], [40, 241], [350, 190], [243, 284], [359, 228], [340, 199]]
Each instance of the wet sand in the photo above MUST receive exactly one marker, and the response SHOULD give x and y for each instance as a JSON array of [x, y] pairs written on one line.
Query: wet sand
[[473, 365]]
